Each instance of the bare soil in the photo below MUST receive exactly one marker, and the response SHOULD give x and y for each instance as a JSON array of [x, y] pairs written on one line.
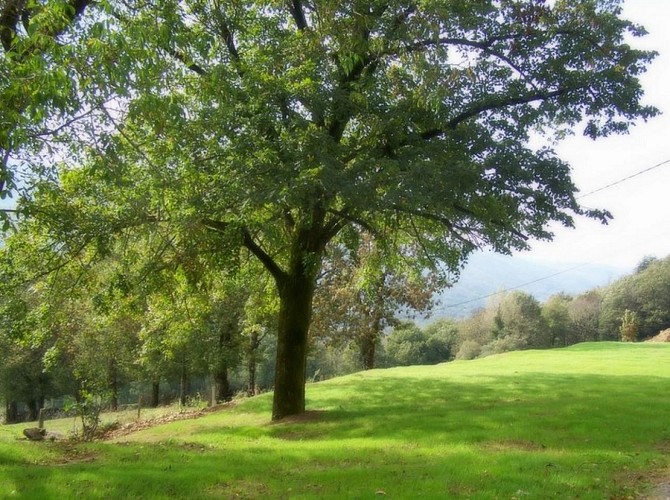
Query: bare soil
[[663, 336], [119, 430]]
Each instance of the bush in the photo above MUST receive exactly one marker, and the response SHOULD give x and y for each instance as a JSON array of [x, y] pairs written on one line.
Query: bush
[[469, 350]]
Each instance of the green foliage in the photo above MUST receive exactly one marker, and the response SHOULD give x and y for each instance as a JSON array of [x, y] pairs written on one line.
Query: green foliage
[[646, 293], [410, 345], [363, 290], [512, 321], [585, 313], [629, 326], [556, 315], [88, 407]]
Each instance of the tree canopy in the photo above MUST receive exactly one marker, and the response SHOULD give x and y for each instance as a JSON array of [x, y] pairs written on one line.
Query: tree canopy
[[279, 128]]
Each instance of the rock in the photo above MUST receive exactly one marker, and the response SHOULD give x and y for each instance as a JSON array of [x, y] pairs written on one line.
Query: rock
[[34, 433]]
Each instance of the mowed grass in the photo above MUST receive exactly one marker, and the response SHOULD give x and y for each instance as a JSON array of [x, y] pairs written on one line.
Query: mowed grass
[[589, 421]]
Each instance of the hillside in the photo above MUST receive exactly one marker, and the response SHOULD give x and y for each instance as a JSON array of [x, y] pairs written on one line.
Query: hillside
[[487, 273], [589, 421]]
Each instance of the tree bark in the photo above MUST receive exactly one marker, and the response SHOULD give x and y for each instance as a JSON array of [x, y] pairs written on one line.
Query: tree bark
[[155, 394], [11, 412], [113, 380], [368, 344], [251, 363], [296, 292], [184, 388], [223, 391], [33, 409]]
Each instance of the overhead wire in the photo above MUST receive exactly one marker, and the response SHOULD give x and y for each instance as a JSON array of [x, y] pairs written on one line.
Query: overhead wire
[[627, 178], [543, 278]]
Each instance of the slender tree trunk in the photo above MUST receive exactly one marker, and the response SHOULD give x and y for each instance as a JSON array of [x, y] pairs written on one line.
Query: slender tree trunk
[[295, 295], [113, 386], [155, 393], [183, 385], [251, 363]]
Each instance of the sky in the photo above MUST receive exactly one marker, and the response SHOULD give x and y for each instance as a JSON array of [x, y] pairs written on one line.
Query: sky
[[640, 205]]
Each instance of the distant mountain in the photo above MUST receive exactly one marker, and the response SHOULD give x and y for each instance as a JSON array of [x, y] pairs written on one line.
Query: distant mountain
[[487, 273]]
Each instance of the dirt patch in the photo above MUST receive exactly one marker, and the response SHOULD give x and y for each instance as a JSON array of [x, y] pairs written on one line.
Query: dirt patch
[[660, 491], [72, 454], [657, 485], [119, 430], [663, 336], [513, 445]]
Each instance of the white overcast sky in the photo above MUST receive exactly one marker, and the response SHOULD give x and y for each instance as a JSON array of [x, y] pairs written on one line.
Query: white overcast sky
[[641, 205]]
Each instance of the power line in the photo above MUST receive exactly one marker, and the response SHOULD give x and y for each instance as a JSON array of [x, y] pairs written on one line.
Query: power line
[[516, 287], [624, 179], [532, 282]]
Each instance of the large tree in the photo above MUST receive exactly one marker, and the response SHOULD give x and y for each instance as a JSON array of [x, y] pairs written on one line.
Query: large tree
[[280, 125]]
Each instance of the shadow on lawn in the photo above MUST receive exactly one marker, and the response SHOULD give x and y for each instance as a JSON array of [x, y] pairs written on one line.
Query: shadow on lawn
[[401, 435], [563, 411]]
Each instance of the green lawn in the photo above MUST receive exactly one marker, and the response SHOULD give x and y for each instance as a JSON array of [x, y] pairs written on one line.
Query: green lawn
[[590, 421]]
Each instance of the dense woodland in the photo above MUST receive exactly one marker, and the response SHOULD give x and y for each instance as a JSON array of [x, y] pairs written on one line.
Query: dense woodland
[[248, 192], [90, 336]]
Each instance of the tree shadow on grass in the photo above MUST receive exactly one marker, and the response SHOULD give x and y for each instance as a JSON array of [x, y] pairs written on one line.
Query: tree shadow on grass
[[405, 437], [565, 411]]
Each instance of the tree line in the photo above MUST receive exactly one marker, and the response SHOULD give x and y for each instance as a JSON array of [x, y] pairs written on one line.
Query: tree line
[[113, 332]]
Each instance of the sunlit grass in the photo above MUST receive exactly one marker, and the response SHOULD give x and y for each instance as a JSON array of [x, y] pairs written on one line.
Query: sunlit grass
[[589, 421]]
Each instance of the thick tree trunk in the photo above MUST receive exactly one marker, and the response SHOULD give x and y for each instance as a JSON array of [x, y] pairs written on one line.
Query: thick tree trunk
[[11, 412], [223, 391], [295, 311], [368, 345], [33, 409]]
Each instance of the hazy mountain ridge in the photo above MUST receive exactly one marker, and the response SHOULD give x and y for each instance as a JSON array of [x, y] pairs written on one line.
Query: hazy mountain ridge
[[488, 273]]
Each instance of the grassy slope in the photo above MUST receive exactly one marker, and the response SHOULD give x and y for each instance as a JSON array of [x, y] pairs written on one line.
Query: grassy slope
[[590, 421]]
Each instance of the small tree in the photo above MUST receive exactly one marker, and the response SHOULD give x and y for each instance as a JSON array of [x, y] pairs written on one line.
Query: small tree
[[630, 325]]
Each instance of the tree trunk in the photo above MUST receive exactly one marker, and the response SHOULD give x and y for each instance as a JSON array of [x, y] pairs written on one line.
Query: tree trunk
[[251, 364], [295, 295], [113, 386], [155, 394], [368, 344], [11, 412], [223, 391], [33, 409], [369, 339], [183, 385]]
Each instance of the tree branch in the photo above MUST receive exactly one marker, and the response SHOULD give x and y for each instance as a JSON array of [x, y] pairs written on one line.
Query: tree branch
[[16, 9], [295, 6], [341, 219], [453, 229], [248, 242], [189, 64], [483, 107]]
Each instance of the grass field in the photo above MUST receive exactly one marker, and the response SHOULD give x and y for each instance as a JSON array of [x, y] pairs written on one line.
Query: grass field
[[590, 421]]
